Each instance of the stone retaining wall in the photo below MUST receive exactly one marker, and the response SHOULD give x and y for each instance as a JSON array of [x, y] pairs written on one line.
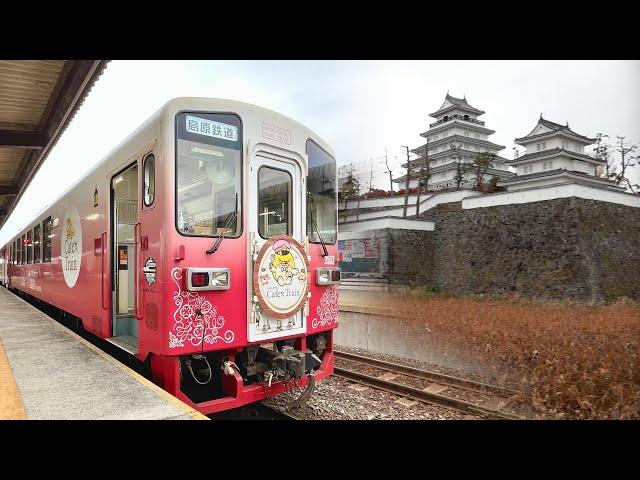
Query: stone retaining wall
[[563, 248]]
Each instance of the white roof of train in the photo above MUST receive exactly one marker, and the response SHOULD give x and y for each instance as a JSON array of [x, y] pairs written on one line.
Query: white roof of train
[[189, 103]]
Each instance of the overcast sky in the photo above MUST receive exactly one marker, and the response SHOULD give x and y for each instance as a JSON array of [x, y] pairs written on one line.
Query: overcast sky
[[358, 107]]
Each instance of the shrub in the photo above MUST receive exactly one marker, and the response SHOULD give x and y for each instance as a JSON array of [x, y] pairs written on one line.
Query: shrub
[[568, 359]]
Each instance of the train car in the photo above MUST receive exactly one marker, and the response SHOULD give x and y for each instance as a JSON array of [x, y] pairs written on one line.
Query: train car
[[3, 266], [204, 245]]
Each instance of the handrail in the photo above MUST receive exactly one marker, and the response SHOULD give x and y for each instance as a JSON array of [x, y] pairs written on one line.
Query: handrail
[[136, 284], [103, 277]]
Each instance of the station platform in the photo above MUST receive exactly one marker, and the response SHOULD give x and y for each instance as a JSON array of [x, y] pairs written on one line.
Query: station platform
[[49, 372]]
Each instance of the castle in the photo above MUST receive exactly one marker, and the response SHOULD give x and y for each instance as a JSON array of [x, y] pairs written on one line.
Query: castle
[[451, 144], [555, 229]]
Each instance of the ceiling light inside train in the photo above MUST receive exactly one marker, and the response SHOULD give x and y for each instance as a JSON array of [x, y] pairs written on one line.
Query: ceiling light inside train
[[218, 171]]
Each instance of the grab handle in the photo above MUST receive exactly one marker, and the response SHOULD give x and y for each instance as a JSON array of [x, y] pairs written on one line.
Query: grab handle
[[136, 282], [103, 276]]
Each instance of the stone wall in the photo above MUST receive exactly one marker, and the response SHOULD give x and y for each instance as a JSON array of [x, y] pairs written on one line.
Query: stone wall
[[409, 258], [563, 248]]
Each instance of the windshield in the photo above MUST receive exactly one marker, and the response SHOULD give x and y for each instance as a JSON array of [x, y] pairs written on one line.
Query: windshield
[[208, 173], [321, 195]]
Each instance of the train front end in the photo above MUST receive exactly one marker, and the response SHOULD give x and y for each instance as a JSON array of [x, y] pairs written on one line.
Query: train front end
[[249, 294]]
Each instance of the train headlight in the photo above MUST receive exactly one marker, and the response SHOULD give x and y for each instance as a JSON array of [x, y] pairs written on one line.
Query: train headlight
[[220, 278], [208, 279], [328, 276]]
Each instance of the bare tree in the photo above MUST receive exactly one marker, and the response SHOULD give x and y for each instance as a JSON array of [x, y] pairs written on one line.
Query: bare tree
[[406, 183], [386, 162], [602, 152], [349, 190], [516, 153], [424, 176], [626, 161]]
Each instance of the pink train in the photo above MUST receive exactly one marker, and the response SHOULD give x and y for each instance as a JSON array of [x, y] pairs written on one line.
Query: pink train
[[204, 246]]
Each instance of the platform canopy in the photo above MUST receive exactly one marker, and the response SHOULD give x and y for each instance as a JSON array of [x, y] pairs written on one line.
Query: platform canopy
[[38, 99]]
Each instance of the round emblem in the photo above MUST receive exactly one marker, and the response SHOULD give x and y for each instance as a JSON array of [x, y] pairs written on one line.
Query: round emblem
[[71, 246], [281, 277]]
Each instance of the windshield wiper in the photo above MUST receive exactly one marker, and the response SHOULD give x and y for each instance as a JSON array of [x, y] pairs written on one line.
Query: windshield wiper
[[315, 226], [233, 216]]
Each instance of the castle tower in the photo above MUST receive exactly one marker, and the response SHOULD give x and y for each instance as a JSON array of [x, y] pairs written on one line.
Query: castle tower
[[555, 156], [456, 125]]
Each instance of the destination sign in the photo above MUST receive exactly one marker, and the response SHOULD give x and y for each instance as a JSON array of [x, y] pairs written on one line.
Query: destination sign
[[202, 126]]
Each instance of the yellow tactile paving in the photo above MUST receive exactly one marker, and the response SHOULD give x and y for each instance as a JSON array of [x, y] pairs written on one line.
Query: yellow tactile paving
[[11, 407]]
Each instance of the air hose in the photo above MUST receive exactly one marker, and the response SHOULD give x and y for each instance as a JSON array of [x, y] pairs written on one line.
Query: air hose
[[199, 357], [304, 396]]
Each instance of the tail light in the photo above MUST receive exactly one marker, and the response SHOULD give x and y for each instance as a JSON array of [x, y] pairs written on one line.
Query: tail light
[[208, 279], [199, 279], [328, 276]]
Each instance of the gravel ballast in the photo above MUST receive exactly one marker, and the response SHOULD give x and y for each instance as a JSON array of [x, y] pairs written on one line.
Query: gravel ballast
[[333, 399]]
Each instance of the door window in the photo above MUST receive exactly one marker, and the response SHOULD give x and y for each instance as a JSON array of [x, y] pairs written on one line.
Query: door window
[[274, 202], [149, 188]]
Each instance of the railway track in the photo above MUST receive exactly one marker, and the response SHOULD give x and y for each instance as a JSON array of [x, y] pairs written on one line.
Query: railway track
[[423, 395]]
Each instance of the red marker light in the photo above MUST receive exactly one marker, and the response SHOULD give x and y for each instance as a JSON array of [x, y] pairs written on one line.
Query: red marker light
[[199, 279]]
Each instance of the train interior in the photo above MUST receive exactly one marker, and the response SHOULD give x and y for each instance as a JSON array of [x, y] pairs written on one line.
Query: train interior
[[125, 216]]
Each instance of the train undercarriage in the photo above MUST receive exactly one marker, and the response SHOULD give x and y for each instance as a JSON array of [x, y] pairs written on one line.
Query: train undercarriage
[[216, 381]]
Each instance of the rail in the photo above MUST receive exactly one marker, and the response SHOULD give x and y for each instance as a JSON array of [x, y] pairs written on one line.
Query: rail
[[442, 378], [423, 395]]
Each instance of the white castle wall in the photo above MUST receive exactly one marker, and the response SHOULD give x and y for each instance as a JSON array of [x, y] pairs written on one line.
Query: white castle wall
[[426, 204], [380, 202], [550, 193]]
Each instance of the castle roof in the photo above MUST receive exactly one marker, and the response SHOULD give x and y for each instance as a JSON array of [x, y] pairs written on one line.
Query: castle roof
[[554, 151], [460, 139], [551, 129], [451, 103]]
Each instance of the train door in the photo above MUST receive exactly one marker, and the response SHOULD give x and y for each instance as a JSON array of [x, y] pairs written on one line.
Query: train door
[[3, 266], [275, 202], [124, 294]]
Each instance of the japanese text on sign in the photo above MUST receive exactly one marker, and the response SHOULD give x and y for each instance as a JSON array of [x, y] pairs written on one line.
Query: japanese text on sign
[[202, 126]]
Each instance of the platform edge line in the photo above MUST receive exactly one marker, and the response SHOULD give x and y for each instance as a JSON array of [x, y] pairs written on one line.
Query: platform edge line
[[193, 413], [13, 397]]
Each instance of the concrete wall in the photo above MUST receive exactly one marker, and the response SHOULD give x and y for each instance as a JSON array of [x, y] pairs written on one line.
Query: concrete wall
[[401, 337]]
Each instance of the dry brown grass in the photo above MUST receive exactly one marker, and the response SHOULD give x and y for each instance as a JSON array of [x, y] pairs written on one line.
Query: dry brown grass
[[570, 360]]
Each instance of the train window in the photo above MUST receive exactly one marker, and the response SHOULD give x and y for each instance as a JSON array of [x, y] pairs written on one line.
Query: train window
[[29, 245], [274, 202], [208, 174], [321, 195], [37, 243], [46, 240], [23, 245], [149, 186]]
